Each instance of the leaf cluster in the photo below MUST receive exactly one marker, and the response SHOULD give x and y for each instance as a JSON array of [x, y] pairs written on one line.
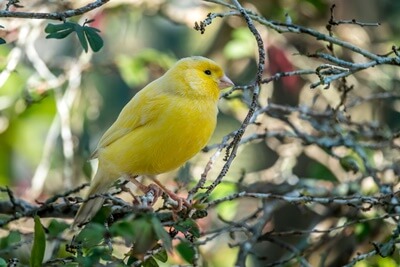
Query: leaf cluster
[[87, 36]]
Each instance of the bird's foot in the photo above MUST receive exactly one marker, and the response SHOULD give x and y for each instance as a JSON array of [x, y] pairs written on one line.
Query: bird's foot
[[151, 194], [149, 198], [176, 202]]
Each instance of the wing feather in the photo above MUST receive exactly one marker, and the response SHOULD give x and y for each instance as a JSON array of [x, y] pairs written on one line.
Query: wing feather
[[139, 111]]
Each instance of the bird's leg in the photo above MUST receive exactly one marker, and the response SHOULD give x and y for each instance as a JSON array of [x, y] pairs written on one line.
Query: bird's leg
[[157, 188], [152, 192], [180, 201], [126, 189]]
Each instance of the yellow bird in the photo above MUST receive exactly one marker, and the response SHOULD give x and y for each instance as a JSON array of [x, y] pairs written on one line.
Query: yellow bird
[[162, 126]]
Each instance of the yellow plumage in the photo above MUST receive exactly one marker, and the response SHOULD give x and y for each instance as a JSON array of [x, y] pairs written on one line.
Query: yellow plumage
[[163, 126]]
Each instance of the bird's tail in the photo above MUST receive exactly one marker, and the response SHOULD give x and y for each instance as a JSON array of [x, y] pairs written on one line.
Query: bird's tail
[[88, 209]]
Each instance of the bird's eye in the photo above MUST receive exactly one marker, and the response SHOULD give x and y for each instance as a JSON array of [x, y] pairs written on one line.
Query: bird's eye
[[208, 72]]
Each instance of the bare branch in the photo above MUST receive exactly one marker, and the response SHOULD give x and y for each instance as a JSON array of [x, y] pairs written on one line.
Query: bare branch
[[53, 15]]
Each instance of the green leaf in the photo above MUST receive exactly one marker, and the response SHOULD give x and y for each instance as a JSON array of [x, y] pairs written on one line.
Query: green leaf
[[94, 39], [319, 171], [123, 229], [144, 237], [52, 28], [190, 226], [162, 256], [59, 31], [226, 209], [362, 231], [39, 244], [81, 37], [91, 235], [186, 251], [161, 233], [85, 34], [200, 196], [385, 249], [131, 260], [94, 256], [60, 34], [150, 262], [3, 263], [55, 228], [13, 237]]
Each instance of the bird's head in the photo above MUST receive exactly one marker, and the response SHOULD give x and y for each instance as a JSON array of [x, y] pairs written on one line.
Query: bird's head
[[200, 77]]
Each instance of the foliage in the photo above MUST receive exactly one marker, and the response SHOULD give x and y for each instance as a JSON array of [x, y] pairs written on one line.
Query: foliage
[[85, 34]]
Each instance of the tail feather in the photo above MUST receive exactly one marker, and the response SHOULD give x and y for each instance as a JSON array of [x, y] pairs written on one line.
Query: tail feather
[[100, 184]]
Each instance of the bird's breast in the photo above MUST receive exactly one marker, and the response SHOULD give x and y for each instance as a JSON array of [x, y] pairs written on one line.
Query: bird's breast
[[181, 131]]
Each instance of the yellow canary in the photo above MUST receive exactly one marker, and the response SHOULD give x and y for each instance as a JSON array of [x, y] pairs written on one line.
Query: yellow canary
[[162, 126]]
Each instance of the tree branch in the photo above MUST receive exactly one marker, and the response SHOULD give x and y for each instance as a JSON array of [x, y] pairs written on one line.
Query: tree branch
[[53, 15]]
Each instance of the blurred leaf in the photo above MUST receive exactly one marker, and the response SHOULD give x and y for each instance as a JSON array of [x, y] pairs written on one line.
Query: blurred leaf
[[150, 262], [123, 229], [31, 124], [55, 228], [144, 237], [188, 225], [39, 244], [131, 260], [102, 215], [361, 231], [227, 209], [186, 251], [386, 262], [352, 162], [385, 249], [94, 256], [91, 235], [161, 233], [3, 262], [87, 169], [319, 172], [161, 256], [241, 45], [198, 214], [143, 232], [135, 70], [12, 237]]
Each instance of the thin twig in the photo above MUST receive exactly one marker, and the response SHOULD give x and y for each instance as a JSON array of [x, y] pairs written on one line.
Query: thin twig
[[53, 15]]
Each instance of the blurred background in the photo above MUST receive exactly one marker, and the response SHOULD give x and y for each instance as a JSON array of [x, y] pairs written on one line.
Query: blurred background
[[56, 101]]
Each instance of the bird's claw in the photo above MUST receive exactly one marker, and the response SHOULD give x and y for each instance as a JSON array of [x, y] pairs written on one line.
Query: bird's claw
[[152, 193], [176, 202]]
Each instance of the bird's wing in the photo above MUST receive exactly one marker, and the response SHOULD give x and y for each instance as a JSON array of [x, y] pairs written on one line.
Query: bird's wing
[[141, 110]]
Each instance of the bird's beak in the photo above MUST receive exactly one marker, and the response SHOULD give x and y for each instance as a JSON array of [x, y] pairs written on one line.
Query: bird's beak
[[225, 82]]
